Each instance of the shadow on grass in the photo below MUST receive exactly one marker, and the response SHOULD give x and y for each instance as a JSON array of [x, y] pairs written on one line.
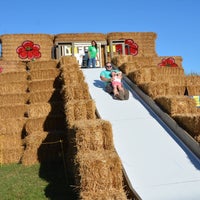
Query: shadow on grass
[[58, 187]]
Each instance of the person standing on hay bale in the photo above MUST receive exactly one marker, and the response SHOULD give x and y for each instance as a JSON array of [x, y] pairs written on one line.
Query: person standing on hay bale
[[92, 54], [106, 77]]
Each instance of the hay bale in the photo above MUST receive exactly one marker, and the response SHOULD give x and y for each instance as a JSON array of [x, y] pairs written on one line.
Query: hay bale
[[42, 65], [43, 147], [144, 40], [45, 109], [79, 110], [193, 90], [193, 85], [13, 111], [16, 88], [11, 149], [13, 77], [99, 171], [10, 43], [174, 105], [49, 123], [158, 59], [191, 123], [44, 85], [133, 62], [102, 195], [50, 95], [73, 78], [79, 91], [84, 37], [12, 126], [153, 89], [141, 76], [44, 74], [13, 99], [12, 66], [176, 90], [65, 61], [93, 135]]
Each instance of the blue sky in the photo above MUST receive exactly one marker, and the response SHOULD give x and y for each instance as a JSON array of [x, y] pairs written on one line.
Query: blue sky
[[176, 22]]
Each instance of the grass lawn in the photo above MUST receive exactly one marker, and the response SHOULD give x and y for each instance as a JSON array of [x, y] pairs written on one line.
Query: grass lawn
[[37, 182]]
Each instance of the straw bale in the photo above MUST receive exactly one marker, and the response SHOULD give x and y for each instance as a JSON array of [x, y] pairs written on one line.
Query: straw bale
[[44, 85], [94, 135], [99, 171], [79, 110], [140, 76], [50, 95], [78, 91], [10, 111], [42, 147], [10, 42], [73, 78], [68, 60], [144, 40], [13, 77], [132, 60], [17, 87], [12, 155], [13, 99], [11, 149], [69, 68], [12, 66], [193, 90], [42, 65], [176, 90], [174, 105], [191, 123], [192, 80], [81, 37], [118, 194], [29, 157], [49, 123], [158, 59], [45, 109], [126, 68], [154, 89], [12, 126], [11, 141], [44, 74]]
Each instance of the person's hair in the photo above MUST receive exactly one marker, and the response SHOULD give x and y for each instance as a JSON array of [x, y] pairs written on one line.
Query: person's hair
[[108, 63], [95, 43]]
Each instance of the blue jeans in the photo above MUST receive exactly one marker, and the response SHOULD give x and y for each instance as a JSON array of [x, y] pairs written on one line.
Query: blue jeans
[[92, 61]]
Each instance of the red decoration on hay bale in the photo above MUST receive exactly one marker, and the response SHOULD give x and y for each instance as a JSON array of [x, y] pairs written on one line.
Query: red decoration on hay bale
[[131, 47], [168, 62], [29, 50]]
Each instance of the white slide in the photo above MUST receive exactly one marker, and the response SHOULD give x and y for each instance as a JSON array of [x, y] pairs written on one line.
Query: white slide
[[158, 165]]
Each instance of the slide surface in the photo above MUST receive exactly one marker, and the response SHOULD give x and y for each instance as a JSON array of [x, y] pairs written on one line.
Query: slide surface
[[159, 166]]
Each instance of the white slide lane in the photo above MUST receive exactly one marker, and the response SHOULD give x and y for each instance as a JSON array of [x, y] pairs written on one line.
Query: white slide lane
[[159, 166]]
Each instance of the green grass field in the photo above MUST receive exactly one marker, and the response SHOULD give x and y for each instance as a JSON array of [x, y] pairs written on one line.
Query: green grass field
[[37, 182]]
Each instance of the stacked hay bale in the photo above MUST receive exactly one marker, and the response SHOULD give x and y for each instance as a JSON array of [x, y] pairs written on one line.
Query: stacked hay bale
[[13, 98], [10, 43], [45, 126], [94, 166], [166, 85], [160, 81]]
